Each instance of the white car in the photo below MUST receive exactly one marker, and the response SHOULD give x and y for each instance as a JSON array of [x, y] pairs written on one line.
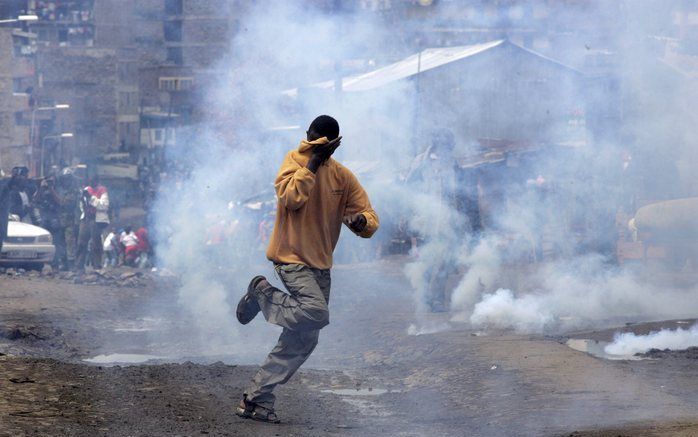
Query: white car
[[27, 245]]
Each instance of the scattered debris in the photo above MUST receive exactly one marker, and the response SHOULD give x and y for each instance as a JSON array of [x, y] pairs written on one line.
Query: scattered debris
[[691, 353], [22, 380], [109, 277], [131, 279], [36, 414], [21, 332]]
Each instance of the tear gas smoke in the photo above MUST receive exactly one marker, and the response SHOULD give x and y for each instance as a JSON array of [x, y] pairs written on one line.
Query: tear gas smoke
[[190, 217], [502, 308], [582, 292], [282, 46], [628, 343], [426, 327], [207, 216]]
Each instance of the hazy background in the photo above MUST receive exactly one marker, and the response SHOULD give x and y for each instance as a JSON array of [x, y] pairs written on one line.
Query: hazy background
[[638, 107]]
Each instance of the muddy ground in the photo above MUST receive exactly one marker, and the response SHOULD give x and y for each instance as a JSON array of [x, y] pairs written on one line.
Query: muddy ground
[[366, 378]]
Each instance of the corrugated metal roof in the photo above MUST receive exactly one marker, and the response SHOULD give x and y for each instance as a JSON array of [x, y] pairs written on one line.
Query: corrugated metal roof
[[414, 64], [430, 58]]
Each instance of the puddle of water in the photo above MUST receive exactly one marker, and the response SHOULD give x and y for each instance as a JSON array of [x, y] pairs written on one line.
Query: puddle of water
[[596, 348], [359, 392], [122, 359]]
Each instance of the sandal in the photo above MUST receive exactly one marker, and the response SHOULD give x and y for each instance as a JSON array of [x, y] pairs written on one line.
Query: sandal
[[248, 307], [244, 409], [262, 414], [250, 410]]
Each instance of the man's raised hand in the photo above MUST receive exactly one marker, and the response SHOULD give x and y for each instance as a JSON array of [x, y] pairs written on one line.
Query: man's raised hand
[[322, 153]]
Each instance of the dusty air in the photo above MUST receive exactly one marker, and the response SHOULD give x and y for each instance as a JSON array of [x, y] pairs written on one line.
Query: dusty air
[[348, 218]]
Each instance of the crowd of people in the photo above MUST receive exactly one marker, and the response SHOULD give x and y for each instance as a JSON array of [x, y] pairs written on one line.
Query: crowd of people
[[77, 212]]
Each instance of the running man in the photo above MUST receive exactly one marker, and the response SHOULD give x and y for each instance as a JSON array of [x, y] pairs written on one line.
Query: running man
[[316, 195]]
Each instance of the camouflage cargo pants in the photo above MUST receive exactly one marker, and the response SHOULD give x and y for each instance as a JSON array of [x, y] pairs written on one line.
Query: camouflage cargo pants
[[302, 312]]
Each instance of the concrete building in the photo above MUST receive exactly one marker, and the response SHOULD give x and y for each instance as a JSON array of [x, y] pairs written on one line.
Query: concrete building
[[16, 82], [87, 78], [64, 23], [198, 31], [167, 47], [97, 76], [133, 69]]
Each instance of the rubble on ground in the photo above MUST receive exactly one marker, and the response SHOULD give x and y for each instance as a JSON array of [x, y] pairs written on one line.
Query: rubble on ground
[[12, 330], [110, 277], [690, 353]]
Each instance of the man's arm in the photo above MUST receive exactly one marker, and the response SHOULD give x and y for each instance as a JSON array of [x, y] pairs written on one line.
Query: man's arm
[[359, 215], [293, 184]]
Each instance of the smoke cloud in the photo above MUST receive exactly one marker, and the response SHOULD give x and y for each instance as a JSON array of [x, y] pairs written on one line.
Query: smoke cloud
[[543, 259], [628, 343], [503, 310], [210, 215], [578, 293]]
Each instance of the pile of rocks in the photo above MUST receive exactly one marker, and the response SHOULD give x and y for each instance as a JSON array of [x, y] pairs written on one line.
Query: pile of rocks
[[114, 278], [11, 271]]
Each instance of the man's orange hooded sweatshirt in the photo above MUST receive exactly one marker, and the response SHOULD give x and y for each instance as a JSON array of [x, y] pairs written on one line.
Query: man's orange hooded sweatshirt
[[311, 207]]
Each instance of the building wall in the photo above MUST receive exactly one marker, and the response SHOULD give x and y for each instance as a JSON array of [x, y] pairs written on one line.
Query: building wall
[[197, 32], [157, 93], [88, 79], [131, 24], [148, 32], [14, 105], [112, 21], [138, 42]]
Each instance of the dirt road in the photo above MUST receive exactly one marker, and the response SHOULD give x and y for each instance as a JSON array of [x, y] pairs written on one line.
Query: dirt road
[[367, 377]]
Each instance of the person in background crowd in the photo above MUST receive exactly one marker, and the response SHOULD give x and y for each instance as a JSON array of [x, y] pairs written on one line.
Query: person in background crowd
[[116, 201], [21, 195], [265, 228], [119, 247], [66, 237], [49, 204], [94, 217], [143, 247], [110, 249], [129, 241], [6, 185]]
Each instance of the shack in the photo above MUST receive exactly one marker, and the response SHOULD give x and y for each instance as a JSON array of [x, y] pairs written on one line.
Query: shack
[[494, 90], [512, 112]]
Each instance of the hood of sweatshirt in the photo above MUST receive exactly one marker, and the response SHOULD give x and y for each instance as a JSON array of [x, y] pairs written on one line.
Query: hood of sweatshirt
[[306, 146]]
